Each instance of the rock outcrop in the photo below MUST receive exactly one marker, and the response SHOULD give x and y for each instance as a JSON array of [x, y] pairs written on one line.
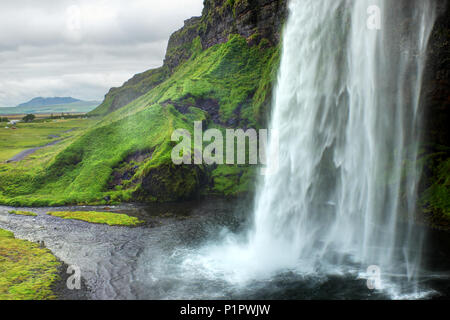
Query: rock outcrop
[[436, 94], [140, 84], [435, 156], [256, 20], [252, 19]]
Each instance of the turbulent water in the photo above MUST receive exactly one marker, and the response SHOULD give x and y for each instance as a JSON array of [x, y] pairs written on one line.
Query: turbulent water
[[347, 113]]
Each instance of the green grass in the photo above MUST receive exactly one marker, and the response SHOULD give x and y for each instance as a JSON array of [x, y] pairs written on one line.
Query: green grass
[[23, 213], [111, 219], [75, 107], [436, 198], [18, 178], [27, 272], [80, 170], [30, 135]]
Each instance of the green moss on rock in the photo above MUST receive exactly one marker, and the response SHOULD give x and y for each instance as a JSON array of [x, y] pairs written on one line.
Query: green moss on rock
[[27, 272], [109, 218], [435, 199], [23, 213]]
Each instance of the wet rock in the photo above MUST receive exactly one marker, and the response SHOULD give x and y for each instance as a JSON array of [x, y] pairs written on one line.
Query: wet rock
[[211, 106], [170, 182], [436, 96]]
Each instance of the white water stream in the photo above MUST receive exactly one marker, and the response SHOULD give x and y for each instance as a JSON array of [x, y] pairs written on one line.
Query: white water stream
[[346, 109]]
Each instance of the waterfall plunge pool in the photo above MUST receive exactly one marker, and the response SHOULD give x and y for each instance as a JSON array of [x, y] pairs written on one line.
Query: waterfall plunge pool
[[162, 259]]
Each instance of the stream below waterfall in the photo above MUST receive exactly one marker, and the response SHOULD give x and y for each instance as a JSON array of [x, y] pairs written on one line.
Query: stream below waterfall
[[156, 260]]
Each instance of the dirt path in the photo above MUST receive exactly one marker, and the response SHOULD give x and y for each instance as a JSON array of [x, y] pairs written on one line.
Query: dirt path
[[20, 156]]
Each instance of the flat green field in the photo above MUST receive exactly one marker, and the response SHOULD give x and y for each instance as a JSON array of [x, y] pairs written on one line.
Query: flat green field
[[31, 135]]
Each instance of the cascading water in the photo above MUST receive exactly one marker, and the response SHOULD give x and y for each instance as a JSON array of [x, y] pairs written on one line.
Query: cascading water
[[346, 110]]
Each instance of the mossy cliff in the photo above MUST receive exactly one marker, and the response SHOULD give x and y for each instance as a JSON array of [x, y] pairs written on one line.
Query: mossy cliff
[[220, 69], [254, 20], [435, 156], [27, 271], [219, 73]]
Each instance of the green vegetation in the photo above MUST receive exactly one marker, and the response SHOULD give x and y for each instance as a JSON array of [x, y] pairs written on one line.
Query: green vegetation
[[37, 134], [75, 107], [29, 118], [23, 213], [100, 165], [27, 272], [436, 198], [4, 119], [111, 219], [133, 88]]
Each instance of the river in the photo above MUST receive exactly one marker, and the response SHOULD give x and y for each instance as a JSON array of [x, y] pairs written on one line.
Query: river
[[155, 261]]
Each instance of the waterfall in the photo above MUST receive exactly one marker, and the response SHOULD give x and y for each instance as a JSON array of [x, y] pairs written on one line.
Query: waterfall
[[346, 110]]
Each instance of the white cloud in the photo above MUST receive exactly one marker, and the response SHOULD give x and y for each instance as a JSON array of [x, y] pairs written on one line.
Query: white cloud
[[81, 48]]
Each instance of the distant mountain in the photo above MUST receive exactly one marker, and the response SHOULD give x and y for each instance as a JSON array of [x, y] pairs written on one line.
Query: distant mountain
[[51, 105], [43, 102]]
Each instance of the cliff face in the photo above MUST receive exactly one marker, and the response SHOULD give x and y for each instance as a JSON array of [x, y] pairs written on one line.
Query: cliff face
[[219, 69], [253, 19], [256, 20], [435, 186], [179, 48]]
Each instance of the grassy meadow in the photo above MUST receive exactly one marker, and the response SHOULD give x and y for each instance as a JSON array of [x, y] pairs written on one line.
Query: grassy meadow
[[18, 176], [36, 134]]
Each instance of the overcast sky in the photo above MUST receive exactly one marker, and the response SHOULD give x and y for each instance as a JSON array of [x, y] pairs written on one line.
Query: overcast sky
[[81, 48]]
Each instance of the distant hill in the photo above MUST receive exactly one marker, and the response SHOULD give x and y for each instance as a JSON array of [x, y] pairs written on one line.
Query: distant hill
[[43, 102], [42, 105]]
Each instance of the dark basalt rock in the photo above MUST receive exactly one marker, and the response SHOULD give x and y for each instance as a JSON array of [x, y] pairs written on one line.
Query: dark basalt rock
[[209, 105], [212, 108], [436, 94], [180, 42], [170, 182], [252, 19], [126, 170], [436, 119]]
